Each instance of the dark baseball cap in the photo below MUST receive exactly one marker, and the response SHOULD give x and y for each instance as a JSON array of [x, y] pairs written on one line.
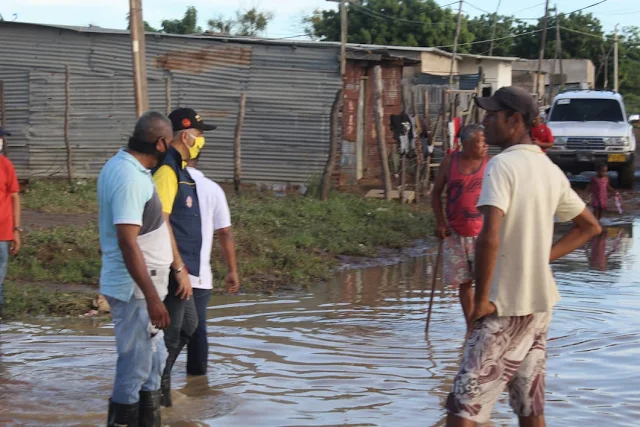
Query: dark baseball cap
[[186, 118], [511, 98], [4, 132]]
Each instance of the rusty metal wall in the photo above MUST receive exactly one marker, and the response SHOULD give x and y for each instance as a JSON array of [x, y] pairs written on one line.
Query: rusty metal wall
[[289, 89]]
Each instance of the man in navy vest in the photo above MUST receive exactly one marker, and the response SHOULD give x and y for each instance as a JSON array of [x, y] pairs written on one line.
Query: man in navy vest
[[177, 191]]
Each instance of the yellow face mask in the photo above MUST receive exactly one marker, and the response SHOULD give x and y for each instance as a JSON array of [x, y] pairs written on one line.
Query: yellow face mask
[[194, 150]]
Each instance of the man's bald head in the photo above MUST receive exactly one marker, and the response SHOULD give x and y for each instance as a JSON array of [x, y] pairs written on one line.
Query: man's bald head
[[152, 126]]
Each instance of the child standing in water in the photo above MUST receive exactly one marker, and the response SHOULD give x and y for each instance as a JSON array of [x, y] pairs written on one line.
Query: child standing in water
[[599, 188]]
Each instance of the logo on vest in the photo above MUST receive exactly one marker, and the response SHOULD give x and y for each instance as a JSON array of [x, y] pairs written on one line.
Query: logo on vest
[[189, 202]]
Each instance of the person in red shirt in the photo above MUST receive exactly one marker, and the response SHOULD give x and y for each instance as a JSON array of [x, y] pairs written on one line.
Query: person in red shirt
[[9, 215], [541, 134]]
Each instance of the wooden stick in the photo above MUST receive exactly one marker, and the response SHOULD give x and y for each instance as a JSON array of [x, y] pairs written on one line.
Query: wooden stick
[[67, 119], [325, 185], [433, 284], [237, 153], [382, 147]]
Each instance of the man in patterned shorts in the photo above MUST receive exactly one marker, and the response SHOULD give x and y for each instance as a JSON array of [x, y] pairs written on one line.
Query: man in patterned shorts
[[461, 173], [515, 291]]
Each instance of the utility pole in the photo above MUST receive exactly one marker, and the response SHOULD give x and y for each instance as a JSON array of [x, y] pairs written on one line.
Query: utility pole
[[343, 34], [542, 44], [615, 61], [606, 71], [556, 57], [455, 44], [139, 56], [493, 31]]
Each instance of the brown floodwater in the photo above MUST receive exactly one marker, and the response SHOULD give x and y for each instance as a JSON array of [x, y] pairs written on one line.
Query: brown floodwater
[[349, 353]]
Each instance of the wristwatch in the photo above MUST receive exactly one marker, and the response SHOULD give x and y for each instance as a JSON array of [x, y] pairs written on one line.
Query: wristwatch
[[179, 270], [18, 229]]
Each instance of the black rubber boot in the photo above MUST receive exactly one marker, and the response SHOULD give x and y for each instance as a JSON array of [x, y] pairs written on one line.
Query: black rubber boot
[[165, 384], [150, 409], [122, 415]]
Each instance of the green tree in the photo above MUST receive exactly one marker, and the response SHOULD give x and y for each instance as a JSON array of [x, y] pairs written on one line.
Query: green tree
[[392, 22], [187, 25], [251, 22], [147, 28], [482, 28]]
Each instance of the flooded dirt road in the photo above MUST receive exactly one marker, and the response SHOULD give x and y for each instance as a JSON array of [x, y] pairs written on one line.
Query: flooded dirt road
[[350, 353]]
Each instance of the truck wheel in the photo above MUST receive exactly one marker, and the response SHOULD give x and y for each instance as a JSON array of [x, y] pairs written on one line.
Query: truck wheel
[[626, 175]]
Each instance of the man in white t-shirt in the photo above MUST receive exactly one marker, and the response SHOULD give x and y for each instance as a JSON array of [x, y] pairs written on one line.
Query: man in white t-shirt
[[515, 292], [215, 218]]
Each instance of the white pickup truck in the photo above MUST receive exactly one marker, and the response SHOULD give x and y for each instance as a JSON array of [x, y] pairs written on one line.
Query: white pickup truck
[[590, 127]]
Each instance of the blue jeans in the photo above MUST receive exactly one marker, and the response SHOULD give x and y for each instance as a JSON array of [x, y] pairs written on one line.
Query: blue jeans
[[141, 358], [198, 348], [4, 260]]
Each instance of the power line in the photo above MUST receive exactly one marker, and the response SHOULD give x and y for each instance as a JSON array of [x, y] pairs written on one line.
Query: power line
[[495, 40], [477, 8], [587, 7], [528, 8], [583, 33], [376, 14], [373, 14]]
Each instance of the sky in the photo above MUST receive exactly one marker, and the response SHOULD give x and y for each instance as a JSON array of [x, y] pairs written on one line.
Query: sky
[[287, 13]]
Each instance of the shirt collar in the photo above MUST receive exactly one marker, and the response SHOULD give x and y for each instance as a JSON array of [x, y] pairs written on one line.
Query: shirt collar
[[528, 147], [129, 158]]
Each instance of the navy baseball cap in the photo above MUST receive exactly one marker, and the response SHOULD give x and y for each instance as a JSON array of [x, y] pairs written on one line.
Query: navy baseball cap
[[4, 132], [186, 118]]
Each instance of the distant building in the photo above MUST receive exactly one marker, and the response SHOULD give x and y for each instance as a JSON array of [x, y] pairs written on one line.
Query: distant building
[[576, 73], [496, 70], [528, 79]]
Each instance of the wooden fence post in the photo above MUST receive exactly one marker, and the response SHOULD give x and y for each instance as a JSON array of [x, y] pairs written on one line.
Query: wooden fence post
[[67, 119], [237, 154], [431, 135], [418, 141], [382, 147], [3, 112], [445, 141], [479, 92], [167, 95], [325, 185]]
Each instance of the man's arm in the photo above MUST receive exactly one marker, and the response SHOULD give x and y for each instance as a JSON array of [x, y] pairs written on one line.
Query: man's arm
[[134, 261], [227, 244], [487, 247], [436, 197], [586, 227], [17, 220]]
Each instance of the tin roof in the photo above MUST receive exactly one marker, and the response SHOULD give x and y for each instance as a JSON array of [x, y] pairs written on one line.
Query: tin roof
[[240, 39]]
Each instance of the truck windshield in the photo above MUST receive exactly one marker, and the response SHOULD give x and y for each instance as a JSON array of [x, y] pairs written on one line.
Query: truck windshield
[[586, 110]]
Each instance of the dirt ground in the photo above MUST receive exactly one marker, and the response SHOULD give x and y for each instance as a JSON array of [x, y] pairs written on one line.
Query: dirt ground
[[33, 219]]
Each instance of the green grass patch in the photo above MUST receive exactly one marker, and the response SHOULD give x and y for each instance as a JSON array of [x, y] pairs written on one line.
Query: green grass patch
[[69, 254], [60, 197], [282, 242], [32, 300]]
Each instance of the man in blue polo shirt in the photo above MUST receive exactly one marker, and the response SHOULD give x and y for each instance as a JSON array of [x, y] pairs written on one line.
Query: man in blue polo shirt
[[136, 260]]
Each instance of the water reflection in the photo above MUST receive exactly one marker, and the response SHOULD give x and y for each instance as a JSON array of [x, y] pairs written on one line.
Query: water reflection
[[350, 353]]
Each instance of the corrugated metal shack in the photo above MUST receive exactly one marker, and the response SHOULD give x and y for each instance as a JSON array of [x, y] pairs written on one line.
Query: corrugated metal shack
[[290, 89], [358, 153]]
